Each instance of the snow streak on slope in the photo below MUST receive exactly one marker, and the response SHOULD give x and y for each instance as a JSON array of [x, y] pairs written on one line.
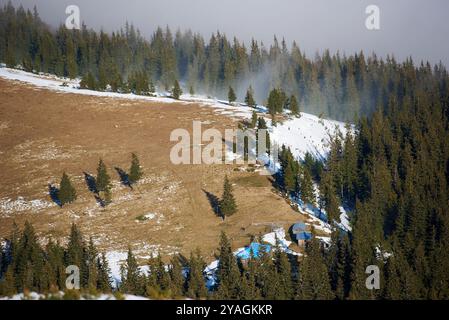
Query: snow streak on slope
[[55, 83], [308, 133]]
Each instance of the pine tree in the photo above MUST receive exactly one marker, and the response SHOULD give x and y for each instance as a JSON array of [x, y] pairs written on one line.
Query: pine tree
[[227, 203], [231, 95], [196, 287], [306, 187], [253, 119], [314, 282], [67, 193], [329, 198], [29, 261], [76, 254], [228, 274], [103, 181], [340, 272], [152, 88], [294, 107], [289, 179], [177, 280], [283, 268], [249, 288], [92, 256], [176, 91], [131, 277], [276, 101], [249, 98], [261, 123], [104, 280], [163, 277], [55, 266], [135, 171]]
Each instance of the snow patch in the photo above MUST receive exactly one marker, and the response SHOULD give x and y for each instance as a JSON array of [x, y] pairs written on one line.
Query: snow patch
[[8, 206]]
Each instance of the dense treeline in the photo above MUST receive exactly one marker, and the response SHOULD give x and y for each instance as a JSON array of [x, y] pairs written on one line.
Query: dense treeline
[[337, 86], [27, 266], [394, 175]]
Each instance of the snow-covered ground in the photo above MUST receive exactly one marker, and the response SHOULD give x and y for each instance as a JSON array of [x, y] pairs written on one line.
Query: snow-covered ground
[[55, 83], [9, 206], [308, 133], [278, 235]]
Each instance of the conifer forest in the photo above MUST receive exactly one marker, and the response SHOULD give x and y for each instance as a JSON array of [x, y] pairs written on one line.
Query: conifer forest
[[359, 143]]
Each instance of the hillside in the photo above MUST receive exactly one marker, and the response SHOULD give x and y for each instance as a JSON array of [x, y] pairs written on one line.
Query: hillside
[[169, 211]]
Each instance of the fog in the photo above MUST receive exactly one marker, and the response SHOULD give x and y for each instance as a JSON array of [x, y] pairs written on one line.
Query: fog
[[407, 27]]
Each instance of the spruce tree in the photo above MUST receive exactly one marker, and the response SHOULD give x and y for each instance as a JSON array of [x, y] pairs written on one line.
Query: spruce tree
[[329, 198], [314, 282], [131, 277], [254, 119], [306, 187], [152, 88], [177, 280], [196, 287], [104, 279], [294, 107], [103, 181], [67, 193], [135, 171], [249, 98], [176, 91], [228, 275], [227, 203], [276, 101], [231, 95], [261, 123], [249, 287], [92, 256], [283, 268], [76, 254], [29, 261]]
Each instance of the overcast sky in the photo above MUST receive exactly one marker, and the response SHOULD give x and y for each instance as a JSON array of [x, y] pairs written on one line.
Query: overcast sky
[[407, 27]]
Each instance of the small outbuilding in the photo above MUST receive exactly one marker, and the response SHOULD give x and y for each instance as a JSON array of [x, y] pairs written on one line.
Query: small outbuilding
[[298, 227], [303, 237], [300, 233]]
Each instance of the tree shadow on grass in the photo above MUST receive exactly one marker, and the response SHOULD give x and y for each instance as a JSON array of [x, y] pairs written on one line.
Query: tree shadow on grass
[[91, 182], [54, 194], [100, 201], [214, 202], [124, 177]]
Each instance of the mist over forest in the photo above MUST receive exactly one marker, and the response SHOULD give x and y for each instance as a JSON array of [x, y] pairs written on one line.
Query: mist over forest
[[333, 85]]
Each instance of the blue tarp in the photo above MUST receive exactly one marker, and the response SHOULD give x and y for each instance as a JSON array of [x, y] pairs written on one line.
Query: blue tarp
[[298, 227], [255, 248], [304, 236]]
